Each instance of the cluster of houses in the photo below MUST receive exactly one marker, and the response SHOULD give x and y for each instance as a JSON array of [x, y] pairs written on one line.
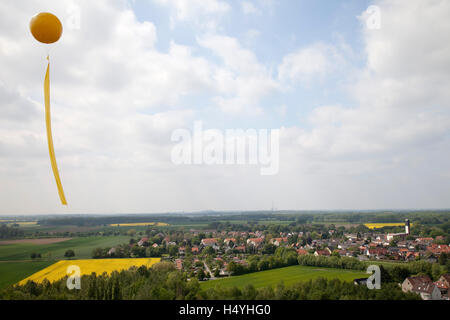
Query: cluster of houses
[[378, 246], [363, 246], [366, 248], [427, 289]]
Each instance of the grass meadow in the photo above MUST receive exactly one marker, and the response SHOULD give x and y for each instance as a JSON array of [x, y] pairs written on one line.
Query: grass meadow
[[288, 276], [13, 272]]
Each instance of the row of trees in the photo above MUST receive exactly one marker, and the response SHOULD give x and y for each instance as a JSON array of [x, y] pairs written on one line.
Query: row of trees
[[317, 289], [36, 255], [390, 272], [331, 262], [282, 257], [133, 251], [7, 232]]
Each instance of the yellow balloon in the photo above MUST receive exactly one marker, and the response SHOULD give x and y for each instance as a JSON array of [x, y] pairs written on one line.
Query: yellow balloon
[[46, 27]]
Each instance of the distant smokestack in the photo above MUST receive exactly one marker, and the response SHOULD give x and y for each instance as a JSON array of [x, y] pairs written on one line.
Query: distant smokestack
[[407, 229]]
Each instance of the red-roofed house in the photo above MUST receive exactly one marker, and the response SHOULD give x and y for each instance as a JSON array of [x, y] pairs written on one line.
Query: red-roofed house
[[230, 242], [411, 256], [142, 242], [210, 242], [255, 241], [278, 241], [343, 253], [424, 240], [302, 252], [439, 248], [326, 252], [423, 286], [377, 252], [443, 284]]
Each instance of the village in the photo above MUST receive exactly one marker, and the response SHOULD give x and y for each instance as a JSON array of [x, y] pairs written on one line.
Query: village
[[211, 254]]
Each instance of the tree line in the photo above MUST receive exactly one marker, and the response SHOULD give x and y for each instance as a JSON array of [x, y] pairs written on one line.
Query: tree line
[[395, 272], [7, 232], [282, 257]]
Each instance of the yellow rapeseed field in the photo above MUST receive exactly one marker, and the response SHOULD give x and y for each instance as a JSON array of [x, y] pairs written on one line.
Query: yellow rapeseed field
[[58, 270], [25, 223], [137, 224], [381, 225]]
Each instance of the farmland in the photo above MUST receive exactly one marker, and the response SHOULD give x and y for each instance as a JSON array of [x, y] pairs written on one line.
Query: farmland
[[34, 241], [58, 270], [16, 264], [82, 246], [25, 223], [288, 275], [382, 225]]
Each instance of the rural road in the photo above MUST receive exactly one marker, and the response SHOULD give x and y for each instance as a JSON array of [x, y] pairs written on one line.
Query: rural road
[[211, 276]]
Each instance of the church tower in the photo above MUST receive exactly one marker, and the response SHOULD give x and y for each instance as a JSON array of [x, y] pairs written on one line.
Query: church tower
[[407, 229]]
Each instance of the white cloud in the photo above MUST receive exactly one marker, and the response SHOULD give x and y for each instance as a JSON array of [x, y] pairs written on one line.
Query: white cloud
[[401, 105], [281, 110], [309, 63], [388, 149], [186, 10], [249, 8], [203, 13], [252, 34], [243, 82]]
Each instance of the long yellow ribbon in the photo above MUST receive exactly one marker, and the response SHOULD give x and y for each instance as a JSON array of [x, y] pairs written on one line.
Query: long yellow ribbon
[[51, 150]]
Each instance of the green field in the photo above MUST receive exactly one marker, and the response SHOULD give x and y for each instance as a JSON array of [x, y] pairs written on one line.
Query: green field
[[13, 272], [288, 275], [82, 246], [31, 229]]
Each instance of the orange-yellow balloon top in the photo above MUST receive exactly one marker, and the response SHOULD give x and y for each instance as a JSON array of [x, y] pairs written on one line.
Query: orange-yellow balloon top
[[46, 27]]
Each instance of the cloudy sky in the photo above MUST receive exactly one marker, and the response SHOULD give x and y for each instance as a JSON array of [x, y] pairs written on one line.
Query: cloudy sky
[[363, 112]]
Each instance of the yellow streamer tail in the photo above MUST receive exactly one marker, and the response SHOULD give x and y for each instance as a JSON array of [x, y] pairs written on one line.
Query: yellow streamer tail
[[51, 150]]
